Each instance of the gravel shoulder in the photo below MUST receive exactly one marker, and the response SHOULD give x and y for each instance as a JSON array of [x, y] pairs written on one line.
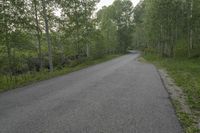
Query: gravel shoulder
[[178, 98]]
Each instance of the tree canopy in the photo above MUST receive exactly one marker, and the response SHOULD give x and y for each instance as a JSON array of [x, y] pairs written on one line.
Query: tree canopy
[[33, 38]]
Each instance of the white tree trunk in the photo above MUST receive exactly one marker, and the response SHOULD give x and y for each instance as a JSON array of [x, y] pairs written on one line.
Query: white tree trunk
[[88, 50], [47, 36], [191, 30]]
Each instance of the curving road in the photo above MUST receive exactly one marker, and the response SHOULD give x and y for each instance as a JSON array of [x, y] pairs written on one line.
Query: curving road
[[118, 96]]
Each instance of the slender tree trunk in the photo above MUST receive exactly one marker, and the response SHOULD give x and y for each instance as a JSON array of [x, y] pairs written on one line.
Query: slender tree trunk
[[38, 35], [77, 30], [190, 29], [47, 36], [62, 49], [176, 36], [172, 42], [88, 50], [77, 37], [7, 42], [8, 47], [191, 39], [161, 41], [86, 28]]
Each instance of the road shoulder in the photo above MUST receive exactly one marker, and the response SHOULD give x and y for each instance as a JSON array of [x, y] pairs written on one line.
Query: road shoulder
[[186, 116]]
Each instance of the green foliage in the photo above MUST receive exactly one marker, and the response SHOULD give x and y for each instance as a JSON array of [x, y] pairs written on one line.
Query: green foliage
[[35, 41], [162, 24], [116, 25]]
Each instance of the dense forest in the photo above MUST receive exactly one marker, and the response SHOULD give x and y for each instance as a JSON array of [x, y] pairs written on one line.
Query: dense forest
[[35, 39], [168, 33], [168, 27]]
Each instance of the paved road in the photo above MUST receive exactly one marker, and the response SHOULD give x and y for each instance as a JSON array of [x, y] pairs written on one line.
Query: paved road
[[118, 96]]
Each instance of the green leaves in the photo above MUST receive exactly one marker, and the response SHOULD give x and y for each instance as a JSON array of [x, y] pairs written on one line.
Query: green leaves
[[115, 23]]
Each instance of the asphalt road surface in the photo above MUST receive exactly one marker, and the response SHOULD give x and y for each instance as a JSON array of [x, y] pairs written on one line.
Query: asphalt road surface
[[118, 96]]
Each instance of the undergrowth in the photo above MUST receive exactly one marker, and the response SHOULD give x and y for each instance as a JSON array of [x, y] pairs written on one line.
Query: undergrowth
[[12, 82]]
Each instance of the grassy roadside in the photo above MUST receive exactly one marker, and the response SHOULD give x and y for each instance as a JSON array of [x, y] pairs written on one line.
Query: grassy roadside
[[29, 78], [186, 74]]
